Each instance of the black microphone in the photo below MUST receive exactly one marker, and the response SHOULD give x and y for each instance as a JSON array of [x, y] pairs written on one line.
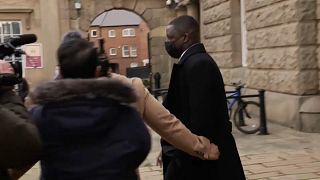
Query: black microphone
[[8, 48], [22, 39]]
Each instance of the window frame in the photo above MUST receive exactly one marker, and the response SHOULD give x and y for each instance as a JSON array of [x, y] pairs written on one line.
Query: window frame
[[110, 33], [123, 51], [133, 50], [128, 32], [110, 51], [91, 33], [10, 34]]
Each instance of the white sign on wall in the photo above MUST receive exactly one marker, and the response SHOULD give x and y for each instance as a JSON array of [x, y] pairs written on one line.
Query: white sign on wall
[[33, 56]]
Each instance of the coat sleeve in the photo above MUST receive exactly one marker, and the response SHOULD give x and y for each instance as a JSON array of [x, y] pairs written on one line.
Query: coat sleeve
[[167, 125], [20, 143], [202, 97]]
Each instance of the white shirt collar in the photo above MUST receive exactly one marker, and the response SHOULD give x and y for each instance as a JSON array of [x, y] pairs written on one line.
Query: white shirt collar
[[186, 51]]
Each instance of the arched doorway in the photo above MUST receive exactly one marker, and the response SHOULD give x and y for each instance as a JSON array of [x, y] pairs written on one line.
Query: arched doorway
[[125, 40], [156, 14]]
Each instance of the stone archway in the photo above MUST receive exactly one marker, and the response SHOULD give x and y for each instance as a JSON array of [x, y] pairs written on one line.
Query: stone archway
[[155, 13]]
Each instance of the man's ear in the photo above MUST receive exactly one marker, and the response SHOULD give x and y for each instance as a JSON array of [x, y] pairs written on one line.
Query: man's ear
[[186, 37], [98, 71]]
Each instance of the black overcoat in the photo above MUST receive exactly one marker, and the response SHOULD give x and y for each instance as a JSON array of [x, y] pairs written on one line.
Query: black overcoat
[[197, 97]]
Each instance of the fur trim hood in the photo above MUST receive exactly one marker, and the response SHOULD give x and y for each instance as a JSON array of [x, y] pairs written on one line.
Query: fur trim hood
[[66, 89]]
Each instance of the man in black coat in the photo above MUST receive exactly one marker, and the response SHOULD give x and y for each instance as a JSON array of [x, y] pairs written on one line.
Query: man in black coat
[[196, 96]]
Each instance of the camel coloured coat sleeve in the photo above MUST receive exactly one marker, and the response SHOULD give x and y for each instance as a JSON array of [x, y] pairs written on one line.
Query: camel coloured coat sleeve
[[164, 123]]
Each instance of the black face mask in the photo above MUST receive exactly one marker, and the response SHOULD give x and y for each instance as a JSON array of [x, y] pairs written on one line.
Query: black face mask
[[172, 50]]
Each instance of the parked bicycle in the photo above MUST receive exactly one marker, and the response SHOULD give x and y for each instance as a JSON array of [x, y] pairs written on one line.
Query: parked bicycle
[[246, 116]]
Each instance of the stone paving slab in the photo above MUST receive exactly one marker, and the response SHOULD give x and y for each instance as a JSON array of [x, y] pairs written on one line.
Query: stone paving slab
[[285, 154]]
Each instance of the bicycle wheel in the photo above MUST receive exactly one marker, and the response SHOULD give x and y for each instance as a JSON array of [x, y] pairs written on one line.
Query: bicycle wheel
[[247, 117]]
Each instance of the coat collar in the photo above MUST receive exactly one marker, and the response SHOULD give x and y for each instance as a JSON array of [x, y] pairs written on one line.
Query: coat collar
[[66, 89], [194, 49]]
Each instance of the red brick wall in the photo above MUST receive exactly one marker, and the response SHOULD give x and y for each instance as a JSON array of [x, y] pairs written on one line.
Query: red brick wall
[[140, 41]]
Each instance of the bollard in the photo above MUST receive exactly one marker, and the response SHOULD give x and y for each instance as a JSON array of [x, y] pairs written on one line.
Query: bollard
[[157, 78], [241, 120], [263, 119]]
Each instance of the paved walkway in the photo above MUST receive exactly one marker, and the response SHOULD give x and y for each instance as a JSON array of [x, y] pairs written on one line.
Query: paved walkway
[[285, 154]]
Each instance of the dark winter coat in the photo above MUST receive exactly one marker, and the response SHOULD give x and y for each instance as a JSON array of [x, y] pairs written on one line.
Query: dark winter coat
[[20, 143], [197, 97], [88, 130]]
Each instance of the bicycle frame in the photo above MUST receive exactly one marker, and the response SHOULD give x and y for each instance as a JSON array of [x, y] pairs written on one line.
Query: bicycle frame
[[235, 95]]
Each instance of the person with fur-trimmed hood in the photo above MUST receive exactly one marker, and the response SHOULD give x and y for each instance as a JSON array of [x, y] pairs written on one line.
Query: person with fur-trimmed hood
[[88, 129]]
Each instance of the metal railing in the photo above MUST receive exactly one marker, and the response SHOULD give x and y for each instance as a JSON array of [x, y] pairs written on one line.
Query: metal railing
[[263, 130]]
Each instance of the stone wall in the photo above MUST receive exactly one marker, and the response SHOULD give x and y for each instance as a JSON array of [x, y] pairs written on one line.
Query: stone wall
[[318, 38], [282, 46], [283, 54], [281, 43], [220, 26]]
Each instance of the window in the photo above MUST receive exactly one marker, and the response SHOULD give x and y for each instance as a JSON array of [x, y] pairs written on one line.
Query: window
[[133, 51], [9, 29], [94, 33], [125, 51], [129, 51], [128, 32], [112, 51], [112, 33]]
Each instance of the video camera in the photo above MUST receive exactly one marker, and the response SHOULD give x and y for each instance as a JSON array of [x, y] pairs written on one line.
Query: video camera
[[9, 48]]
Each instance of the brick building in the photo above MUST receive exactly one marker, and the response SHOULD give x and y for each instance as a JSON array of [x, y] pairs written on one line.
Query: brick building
[[125, 37]]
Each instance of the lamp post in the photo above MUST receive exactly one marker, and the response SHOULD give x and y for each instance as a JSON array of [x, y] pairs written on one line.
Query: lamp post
[[77, 6]]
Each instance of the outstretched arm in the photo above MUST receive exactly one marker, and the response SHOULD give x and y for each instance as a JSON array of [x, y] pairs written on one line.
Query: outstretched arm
[[170, 128]]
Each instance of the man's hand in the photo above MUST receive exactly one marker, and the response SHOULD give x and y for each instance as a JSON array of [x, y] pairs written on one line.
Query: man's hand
[[212, 153]]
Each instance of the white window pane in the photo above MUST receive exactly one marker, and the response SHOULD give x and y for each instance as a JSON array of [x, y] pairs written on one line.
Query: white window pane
[[113, 51], [125, 51], [132, 32], [16, 28], [6, 28], [133, 51], [112, 33], [125, 32], [128, 32], [94, 33]]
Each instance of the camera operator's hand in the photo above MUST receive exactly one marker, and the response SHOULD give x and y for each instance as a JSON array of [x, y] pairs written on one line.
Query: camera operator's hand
[[5, 68]]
